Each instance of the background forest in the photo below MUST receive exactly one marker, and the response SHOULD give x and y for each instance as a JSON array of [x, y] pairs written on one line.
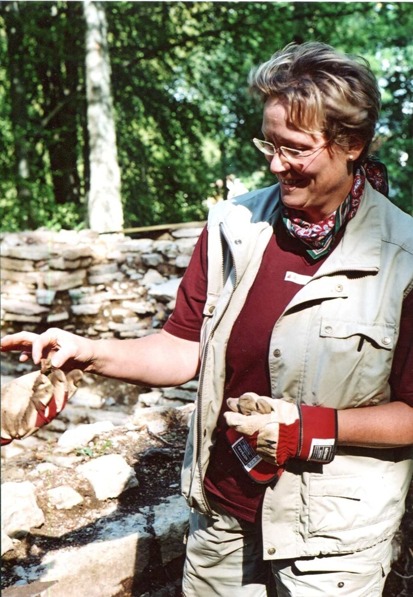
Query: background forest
[[177, 100]]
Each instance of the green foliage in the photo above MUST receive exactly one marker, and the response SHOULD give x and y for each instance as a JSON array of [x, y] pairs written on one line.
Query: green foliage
[[94, 449], [183, 115]]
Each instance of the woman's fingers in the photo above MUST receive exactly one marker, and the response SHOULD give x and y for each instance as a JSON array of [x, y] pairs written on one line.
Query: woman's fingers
[[55, 344]]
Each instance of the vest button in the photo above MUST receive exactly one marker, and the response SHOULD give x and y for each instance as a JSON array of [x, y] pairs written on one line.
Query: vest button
[[211, 309], [277, 352], [339, 288], [328, 329], [340, 584], [271, 551], [386, 340]]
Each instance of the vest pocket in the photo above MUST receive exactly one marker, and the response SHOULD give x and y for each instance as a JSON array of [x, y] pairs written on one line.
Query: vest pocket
[[356, 501], [351, 363], [336, 504], [381, 335], [348, 574]]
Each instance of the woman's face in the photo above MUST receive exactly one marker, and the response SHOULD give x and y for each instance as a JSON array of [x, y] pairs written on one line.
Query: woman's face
[[317, 184]]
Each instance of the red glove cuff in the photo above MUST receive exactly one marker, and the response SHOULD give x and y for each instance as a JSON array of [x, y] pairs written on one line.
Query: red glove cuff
[[48, 413], [288, 441], [318, 434]]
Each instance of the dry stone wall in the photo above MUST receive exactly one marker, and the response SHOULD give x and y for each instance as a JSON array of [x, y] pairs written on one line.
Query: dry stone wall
[[96, 285]]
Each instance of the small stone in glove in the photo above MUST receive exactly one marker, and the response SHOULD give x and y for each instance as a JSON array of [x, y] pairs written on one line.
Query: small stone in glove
[[33, 400], [279, 430]]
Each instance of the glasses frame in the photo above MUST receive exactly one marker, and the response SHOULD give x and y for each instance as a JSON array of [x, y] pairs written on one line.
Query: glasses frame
[[297, 154]]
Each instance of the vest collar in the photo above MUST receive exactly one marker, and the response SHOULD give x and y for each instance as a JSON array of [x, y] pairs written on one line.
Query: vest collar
[[360, 247]]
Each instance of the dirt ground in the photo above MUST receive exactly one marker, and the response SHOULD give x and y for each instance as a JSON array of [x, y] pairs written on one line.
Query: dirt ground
[[156, 460]]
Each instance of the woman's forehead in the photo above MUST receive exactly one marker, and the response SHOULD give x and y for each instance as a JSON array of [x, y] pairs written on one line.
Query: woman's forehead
[[277, 115]]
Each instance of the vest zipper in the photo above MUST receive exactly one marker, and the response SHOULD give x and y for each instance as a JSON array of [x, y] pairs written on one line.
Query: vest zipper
[[201, 377]]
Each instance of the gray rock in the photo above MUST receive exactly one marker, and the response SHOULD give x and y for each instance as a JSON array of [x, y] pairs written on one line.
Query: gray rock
[[86, 309], [18, 265], [182, 261], [86, 397], [186, 245], [19, 509], [81, 435], [150, 398], [57, 280], [23, 307], [167, 248], [166, 291], [179, 394], [6, 543], [152, 277], [76, 253], [170, 526], [109, 475], [57, 317], [187, 232], [152, 259], [64, 497], [77, 414], [105, 278], [103, 268], [139, 245], [34, 252], [33, 589], [45, 296], [140, 307], [102, 567]]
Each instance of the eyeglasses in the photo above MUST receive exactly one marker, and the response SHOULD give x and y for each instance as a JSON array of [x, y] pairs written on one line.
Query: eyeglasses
[[268, 148]]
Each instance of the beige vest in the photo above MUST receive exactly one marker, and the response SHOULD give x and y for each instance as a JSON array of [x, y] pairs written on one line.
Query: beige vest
[[332, 346]]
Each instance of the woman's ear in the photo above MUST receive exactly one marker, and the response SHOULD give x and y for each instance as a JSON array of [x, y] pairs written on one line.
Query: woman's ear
[[355, 150]]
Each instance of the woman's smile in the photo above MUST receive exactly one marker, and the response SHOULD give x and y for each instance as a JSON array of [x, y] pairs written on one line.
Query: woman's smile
[[317, 184]]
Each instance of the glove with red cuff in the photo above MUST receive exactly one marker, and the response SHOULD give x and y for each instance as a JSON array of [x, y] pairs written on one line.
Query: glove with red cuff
[[279, 430], [33, 400]]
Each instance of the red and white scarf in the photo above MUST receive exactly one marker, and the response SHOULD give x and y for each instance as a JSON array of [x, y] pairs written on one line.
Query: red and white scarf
[[319, 236]]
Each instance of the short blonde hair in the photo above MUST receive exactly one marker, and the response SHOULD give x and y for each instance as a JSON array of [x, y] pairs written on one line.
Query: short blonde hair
[[323, 90]]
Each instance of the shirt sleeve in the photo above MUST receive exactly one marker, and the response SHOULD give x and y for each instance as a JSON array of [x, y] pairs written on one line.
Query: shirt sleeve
[[401, 377], [186, 320]]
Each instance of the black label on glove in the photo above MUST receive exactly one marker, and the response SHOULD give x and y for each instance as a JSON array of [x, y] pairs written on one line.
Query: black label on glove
[[322, 450], [245, 454], [255, 467]]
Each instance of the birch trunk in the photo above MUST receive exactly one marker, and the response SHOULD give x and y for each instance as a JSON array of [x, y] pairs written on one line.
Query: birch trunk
[[104, 200]]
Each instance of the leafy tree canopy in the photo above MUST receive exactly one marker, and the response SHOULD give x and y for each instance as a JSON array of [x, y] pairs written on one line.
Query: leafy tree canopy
[[183, 115]]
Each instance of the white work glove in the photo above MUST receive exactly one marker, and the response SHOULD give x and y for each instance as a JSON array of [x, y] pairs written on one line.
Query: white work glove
[[34, 399], [279, 430]]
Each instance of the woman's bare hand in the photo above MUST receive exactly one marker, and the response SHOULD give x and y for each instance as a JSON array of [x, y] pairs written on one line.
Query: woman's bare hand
[[64, 350]]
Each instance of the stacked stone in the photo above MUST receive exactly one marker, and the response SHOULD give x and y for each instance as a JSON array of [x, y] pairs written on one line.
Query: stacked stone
[[96, 285]]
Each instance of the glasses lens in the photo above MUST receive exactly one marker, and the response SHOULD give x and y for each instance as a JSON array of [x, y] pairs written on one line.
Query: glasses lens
[[297, 154], [264, 146], [292, 154]]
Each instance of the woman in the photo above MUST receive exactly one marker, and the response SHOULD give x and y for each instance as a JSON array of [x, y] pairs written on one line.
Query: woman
[[298, 459]]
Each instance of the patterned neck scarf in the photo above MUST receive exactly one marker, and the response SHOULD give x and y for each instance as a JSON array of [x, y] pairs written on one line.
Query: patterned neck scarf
[[319, 236]]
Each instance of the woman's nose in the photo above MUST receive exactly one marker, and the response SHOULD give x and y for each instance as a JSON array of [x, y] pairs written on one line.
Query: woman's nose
[[278, 163]]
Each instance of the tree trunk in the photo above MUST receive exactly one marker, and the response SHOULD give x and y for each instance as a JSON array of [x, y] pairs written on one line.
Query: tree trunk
[[104, 200]]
